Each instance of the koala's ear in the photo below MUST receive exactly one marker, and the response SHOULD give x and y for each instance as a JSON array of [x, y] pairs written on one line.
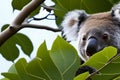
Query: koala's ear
[[72, 23], [116, 11]]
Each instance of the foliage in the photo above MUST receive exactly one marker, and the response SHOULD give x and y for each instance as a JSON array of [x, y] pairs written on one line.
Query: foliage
[[22, 3], [61, 7], [61, 62], [10, 51], [57, 64]]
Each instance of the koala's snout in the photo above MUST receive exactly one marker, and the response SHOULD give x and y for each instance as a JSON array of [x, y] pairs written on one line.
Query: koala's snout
[[91, 46]]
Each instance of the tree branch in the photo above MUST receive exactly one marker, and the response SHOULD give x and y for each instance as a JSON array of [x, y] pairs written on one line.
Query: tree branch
[[16, 24], [26, 25]]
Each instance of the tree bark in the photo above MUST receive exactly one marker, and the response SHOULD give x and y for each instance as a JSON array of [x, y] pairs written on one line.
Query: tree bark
[[16, 24]]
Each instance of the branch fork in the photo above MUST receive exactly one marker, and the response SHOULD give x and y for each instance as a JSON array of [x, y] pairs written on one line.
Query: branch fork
[[18, 24]]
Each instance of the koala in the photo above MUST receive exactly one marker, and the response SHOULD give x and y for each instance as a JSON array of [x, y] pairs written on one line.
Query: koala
[[92, 32]]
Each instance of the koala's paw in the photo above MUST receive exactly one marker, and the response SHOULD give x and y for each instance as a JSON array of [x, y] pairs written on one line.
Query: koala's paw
[[85, 69]]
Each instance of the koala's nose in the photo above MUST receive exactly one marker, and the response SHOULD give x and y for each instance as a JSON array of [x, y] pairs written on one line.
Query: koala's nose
[[91, 46]]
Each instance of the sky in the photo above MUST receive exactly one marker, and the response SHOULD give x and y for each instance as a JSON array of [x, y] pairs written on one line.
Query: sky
[[36, 35]]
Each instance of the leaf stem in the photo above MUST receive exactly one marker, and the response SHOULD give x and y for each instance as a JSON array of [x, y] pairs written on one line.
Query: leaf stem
[[112, 59], [26, 25]]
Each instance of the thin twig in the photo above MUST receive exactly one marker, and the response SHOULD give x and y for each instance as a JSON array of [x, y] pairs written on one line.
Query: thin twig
[[110, 61], [26, 25]]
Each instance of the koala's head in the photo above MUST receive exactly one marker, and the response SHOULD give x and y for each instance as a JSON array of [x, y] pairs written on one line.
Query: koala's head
[[93, 32]]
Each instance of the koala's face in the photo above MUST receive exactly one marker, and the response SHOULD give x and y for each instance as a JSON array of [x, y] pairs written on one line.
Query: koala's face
[[97, 32], [93, 32]]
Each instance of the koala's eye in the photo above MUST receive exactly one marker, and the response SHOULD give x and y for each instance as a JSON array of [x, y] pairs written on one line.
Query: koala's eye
[[105, 36], [84, 38]]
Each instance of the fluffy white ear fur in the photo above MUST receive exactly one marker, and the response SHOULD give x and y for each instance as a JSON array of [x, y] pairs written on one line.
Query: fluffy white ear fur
[[71, 25], [116, 11]]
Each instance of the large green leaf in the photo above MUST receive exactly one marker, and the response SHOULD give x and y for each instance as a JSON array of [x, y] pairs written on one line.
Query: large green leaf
[[21, 69], [101, 58], [68, 4], [47, 64], [108, 71], [63, 6], [114, 1], [65, 58], [59, 13], [35, 68], [99, 6], [18, 71]]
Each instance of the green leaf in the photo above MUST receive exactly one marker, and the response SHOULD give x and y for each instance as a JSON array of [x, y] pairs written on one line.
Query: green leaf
[[12, 69], [35, 68], [12, 73], [65, 58], [11, 76], [25, 43], [22, 72], [99, 61], [4, 27], [47, 64], [110, 71], [32, 77], [104, 76], [114, 1], [101, 58], [4, 79], [21, 69], [82, 76], [99, 6], [117, 78], [117, 59], [35, 12], [66, 4], [112, 68], [63, 6], [18, 71], [19, 4], [9, 49]]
